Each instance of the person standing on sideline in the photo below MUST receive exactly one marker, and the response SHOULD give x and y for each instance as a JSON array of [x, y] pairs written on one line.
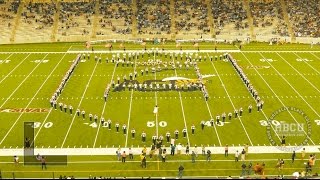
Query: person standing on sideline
[[293, 156], [124, 155], [226, 151], [208, 155], [173, 147], [118, 152], [203, 150], [193, 157], [181, 168], [246, 148], [179, 148], [43, 163], [130, 154], [243, 155], [187, 149], [250, 108], [236, 156], [303, 153]]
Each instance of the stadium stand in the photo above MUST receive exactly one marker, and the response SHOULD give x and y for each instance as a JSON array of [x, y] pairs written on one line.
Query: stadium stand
[[115, 17], [75, 19], [57, 20], [230, 18], [153, 17], [7, 16], [304, 15], [268, 18], [191, 22], [36, 18]]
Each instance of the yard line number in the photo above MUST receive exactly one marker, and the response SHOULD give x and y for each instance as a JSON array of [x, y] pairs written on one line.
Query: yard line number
[[161, 123], [46, 125]]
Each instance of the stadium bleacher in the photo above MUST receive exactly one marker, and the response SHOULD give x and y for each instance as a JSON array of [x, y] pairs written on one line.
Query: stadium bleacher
[[231, 19]]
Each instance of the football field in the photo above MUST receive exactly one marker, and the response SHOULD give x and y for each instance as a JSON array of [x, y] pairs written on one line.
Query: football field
[[283, 77]]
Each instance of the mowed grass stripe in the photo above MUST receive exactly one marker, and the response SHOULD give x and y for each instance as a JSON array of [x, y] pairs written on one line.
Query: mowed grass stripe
[[62, 120], [35, 94], [196, 110], [246, 58], [250, 120], [306, 67], [224, 86], [8, 66], [219, 103], [105, 103], [83, 134], [272, 85], [25, 68], [306, 62], [291, 84], [46, 91], [78, 106]]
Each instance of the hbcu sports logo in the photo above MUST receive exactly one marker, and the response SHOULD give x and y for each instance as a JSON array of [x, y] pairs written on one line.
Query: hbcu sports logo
[[295, 133], [173, 80], [24, 110]]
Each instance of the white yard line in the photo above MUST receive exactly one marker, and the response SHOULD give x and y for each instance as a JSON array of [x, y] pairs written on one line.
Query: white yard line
[[14, 67], [274, 93], [130, 106], [22, 82], [82, 97], [31, 98], [182, 109], [156, 98], [104, 107], [315, 56], [69, 48], [299, 72], [308, 63], [231, 102], [45, 119], [214, 125]]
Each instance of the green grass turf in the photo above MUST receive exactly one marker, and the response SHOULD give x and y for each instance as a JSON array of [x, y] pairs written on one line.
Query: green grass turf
[[288, 81]]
